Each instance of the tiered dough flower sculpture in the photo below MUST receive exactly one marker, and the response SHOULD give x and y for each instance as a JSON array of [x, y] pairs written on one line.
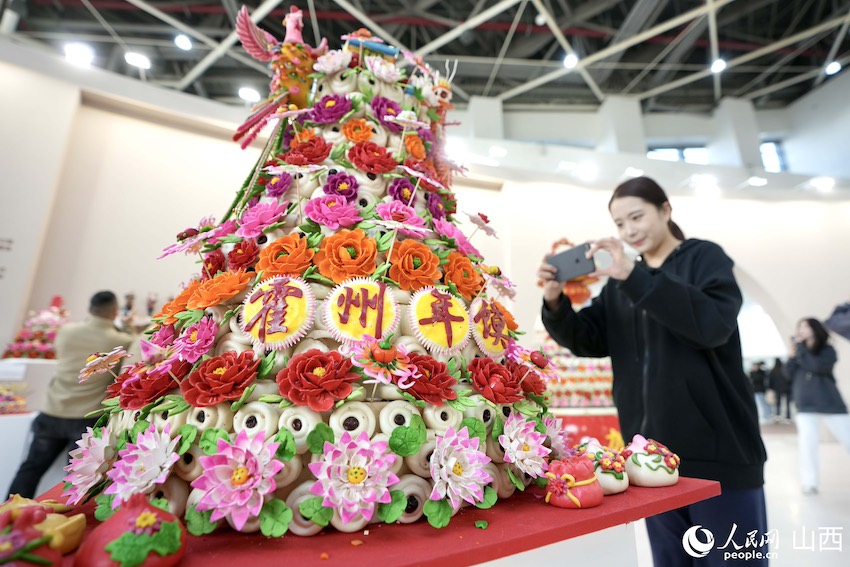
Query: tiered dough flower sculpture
[[343, 356]]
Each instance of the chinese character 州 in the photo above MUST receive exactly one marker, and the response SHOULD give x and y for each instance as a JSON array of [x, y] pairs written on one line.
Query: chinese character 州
[[441, 313], [273, 312], [364, 303], [494, 324]]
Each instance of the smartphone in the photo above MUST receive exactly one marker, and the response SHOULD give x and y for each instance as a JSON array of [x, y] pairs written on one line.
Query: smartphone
[[572, 263]]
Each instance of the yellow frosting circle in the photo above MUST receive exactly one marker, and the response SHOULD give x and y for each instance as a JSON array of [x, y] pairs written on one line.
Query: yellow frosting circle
[[278, 312], [439, 320], [489, 327], [360, 307]]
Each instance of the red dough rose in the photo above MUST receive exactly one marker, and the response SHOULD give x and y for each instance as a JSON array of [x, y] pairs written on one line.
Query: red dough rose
[[220, 378], [213, 264], [315, 150], [528, 379], [372, 158], [316, 379], [434, 383], [243, 255], [494, 381], [135, 391]]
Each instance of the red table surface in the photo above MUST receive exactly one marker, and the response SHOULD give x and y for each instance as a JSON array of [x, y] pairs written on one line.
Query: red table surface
[[517, 524]]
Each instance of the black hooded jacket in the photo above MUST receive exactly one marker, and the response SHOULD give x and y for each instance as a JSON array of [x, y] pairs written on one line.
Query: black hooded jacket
[[672, 335]]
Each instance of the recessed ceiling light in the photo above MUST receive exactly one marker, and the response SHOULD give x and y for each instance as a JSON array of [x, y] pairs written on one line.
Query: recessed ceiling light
[[183, 42], [137, 60], [79, 54], [832, 68], [756, 181], [540, 20], [498, 151], [705, 185], [821, 184], [587, 171], [249, 94], [632, 172], [718, 66], [570, 61]]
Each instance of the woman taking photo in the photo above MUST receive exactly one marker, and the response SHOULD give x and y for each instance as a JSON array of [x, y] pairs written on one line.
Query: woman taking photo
[[816, 395], [669, 323]]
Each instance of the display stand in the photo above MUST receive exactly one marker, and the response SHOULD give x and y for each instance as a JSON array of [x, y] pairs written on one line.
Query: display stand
[[590, 422], [518, 529], [34, 373]]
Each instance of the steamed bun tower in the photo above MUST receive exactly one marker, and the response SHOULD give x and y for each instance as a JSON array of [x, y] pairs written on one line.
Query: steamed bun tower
[[344, 355]]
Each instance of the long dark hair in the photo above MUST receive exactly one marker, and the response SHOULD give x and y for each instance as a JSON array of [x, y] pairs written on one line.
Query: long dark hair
[[821, 335], [651, 192]]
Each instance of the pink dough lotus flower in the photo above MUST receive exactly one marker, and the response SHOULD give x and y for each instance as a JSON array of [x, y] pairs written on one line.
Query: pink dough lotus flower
[[354, 476], [332, 211], [196, 340], [447, 229], [524, 446], [457, 468], [143, 464], [89, 463], [559, 438], [238, 478], [258, 217], [102, 362], [379, 360]]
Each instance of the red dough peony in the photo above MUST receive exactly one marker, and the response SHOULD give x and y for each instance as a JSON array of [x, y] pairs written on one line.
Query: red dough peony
[[573, 484], [220, 378], [317, 379], [494, 381]]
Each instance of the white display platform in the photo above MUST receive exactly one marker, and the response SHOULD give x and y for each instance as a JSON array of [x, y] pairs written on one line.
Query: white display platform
[[15, 438], [34, 373]]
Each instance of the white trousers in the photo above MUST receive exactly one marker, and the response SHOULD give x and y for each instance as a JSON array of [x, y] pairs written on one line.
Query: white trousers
[[808, 441]]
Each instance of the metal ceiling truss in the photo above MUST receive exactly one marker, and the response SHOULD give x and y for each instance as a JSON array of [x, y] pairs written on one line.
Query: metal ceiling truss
[[655, 51]]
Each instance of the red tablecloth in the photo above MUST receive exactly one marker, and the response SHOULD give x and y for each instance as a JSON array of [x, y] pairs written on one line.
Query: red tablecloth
[[518, 524]]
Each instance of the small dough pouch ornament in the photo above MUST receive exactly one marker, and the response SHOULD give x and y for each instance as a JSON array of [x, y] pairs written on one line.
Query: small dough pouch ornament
[[650, 464], [609, 466], [138, 534], [572, 483]]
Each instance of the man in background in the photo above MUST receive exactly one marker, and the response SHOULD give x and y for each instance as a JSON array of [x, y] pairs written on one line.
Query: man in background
[[62, 420]]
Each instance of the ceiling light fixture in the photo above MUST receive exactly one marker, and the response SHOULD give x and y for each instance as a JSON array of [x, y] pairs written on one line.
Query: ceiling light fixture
[[248, 94], [183, 42], [756, 181], [718, 66], [570, 61], [79, 54], [136, 59], [540, 20], [832, 68], [821, 184], [632, 172]]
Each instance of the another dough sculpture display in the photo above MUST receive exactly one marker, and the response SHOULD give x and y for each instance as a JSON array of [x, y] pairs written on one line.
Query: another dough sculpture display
[[36, 337], [344, 356], [649, 463]]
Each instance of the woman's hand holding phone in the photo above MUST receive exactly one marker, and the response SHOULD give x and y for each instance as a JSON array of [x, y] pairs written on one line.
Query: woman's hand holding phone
[[621, 265]]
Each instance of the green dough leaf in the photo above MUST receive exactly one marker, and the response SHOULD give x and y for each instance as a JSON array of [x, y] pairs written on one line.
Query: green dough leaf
[[243, 399], [160, 503], [481, 524], [389, 513], [498, 427], [209, 440], [139, 427], [286, 449], [476, 428], [266, 365], [274, 518], [104, 506], [490, 498], [188, 433], [516, 481], [198, 523], [526, 408], [131, 550], [438, 512], [313, 510], [316, 439], [406, 440]]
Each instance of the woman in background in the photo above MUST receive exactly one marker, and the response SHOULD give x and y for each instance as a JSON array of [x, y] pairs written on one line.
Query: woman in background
[[669, 323], [816, 395]]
